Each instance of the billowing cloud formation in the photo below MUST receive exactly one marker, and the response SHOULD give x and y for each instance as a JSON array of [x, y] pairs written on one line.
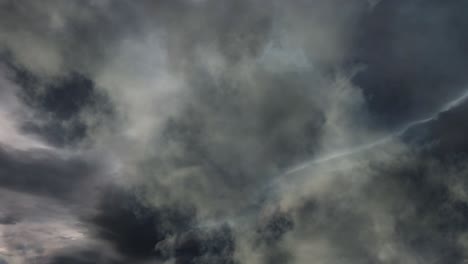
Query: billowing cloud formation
[[251, 131]]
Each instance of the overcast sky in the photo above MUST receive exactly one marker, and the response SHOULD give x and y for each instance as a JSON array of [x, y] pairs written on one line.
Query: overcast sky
[[233, 131]]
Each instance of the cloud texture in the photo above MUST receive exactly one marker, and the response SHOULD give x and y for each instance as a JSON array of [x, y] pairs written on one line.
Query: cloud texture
[[229, 132]]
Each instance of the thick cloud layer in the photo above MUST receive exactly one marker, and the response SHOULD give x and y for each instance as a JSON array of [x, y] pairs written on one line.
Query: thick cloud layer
[[251, 131], [415, 57]]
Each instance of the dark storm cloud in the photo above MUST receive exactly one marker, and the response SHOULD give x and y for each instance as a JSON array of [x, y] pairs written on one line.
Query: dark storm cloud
[[429, 219], [445, 136], [8, 219], [272, 228], [237, 29], [135, 228], [415, 57], [201, 246], [241, 122], [407, 213], [261, 120], [413, 208], [260, 87], [82, 256], [43, 172], [63, 106], [63, 110], [63, 100], [270, 231], [84, 35], [67, 36], [433, 228], [139, 232]]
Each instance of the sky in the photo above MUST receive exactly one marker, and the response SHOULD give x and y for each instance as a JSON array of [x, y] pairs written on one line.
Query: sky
[[233, 132]]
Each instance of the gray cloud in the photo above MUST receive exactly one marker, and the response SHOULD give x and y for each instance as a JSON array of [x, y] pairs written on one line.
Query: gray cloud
[[170, 132], [42, 172], [414, 56]]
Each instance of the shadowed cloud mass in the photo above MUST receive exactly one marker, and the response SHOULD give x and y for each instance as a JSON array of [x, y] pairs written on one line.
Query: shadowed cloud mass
[[231, 132]]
